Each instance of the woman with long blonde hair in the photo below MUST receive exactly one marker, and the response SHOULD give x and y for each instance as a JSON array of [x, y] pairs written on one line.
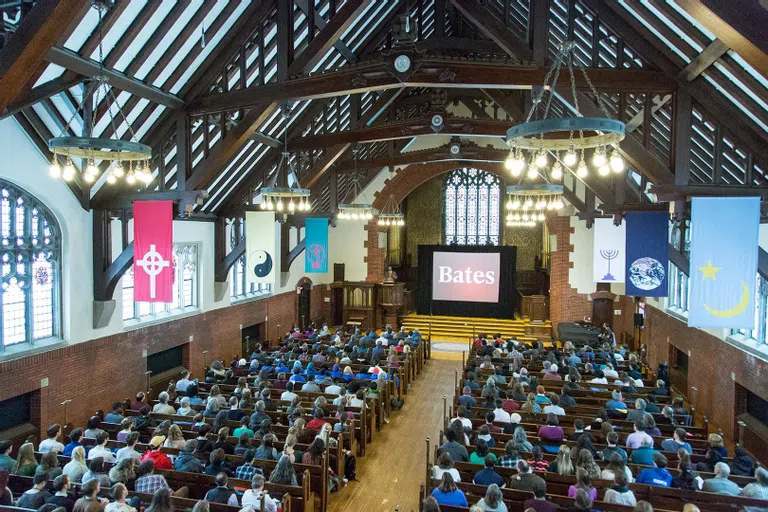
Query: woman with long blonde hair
[[562, 465], [175, 438], [26, 463], [586, 461], [288, 446], [77, 467]]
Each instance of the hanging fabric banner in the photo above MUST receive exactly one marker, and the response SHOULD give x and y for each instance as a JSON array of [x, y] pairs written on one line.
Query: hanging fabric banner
[[153, 251], [609, 255], [260, 248], [723, 268], [647, 253], [316, 247]]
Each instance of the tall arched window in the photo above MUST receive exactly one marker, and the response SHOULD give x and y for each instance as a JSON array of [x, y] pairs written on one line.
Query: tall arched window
[[472, 208], [31, 268]]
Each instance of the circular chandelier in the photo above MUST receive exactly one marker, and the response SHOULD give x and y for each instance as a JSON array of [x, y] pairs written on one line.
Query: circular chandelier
[[566, 139], [391, 214], [292, 197], [128, 159], [356, 211], [526, 204]]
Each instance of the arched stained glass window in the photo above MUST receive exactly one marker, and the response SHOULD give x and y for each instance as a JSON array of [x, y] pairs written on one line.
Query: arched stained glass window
[[30, 254], [472, 208]]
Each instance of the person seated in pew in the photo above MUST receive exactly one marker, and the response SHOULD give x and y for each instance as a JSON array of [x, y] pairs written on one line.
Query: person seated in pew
[[552, 373], [616, 465], [163, 407], [90, 501], [493, 500], [243, 444], [563, 464], [254, 496], [116, 416], [215, 395], [267, 451], [644, 454], [742, 463], [565, 400], [530, 405], [119, 495], [482, 451], [554, 407], [639, 437], [92, 427], [490, 417], [318, 419], [77, 467], [471, 384], [153, 453], [234, 413], [638, 411], [52, 443], [583, 483], [445, 465], [192, 392], [541, 397], [599, 378], [539, 501], [26, 463], [222, 493], [678, 442], [35, 497], [484, 434], [283, 473], [288, 395], [139, 402], [217, 463], [187, 459], [447, 493], [243, 428], [716, 443], [221, 442], [97, 471], [461, 416], [311, 387], [657, 475], [203, 444], [686, 477], [61, 486], [551, 432], [620, 493], [142, 421], [578, 430], [616, 404], [757, 489], [525, 479], [258, 415], [49, 465], [537, 461], [585, 460], [450, 445], [720, 483], [249, 468], [175, 438], [466, 399], [124, 472]]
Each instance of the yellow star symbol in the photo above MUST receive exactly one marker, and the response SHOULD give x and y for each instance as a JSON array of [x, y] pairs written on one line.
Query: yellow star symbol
[[709, 271]]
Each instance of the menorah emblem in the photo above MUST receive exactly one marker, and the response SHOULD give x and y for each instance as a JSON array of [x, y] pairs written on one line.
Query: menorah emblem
[[152, 263], [609, 254]]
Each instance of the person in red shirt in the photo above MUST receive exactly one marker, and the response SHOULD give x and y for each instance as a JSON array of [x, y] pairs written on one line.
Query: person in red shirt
[[510, 405], [317, 421], [139, 402], [489, 419], [154, 454]]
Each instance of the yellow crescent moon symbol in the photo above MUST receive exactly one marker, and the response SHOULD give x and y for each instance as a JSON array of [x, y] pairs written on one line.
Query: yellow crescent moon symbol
[[738, 308]]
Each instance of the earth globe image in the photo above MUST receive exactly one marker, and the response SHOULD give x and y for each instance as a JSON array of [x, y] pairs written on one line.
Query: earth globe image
[[646, 273]]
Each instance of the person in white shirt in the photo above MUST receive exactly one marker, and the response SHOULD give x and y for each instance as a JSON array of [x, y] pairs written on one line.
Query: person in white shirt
[[253, 496], [599, 378], [461, 413], [333, 389], [639, 437], [129, 451], [500, 414], [445, 465], [183, 383], [288, 395], [52, 443], [553, 407], [609, 372], [163, 407], [119, 493], [101, 450]]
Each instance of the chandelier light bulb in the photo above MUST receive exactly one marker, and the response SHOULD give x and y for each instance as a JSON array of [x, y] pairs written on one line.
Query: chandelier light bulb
[[91, 169], [541, 159], [263, 205], [280, 206], [69, 172], [89, 178], [54, 170], [516, 204], [598, 159], [532, 173], [369, 216], [509, 205], [581, 170], [291, 206], [118, 170], [111, 179], [130, 178], [525, 216], [604, 170], [617, 163], [509, 163], [528, 203], [401, 222], [570, 158], [541, 216], [557, 171]]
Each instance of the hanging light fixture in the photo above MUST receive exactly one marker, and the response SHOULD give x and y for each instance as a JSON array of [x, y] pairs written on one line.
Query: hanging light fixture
[[92, 150], [527, 203], [568, 135], [354, 210], [391, 215], [290, 198]]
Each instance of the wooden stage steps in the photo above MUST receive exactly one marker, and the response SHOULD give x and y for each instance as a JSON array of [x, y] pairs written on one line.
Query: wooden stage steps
[[460, 329]]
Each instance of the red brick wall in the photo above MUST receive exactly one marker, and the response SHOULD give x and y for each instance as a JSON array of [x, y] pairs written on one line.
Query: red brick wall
[[711, 361], [565, 303], [95, 373]]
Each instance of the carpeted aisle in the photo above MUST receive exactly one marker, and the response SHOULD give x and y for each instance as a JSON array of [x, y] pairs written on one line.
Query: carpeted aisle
[[393, 470]]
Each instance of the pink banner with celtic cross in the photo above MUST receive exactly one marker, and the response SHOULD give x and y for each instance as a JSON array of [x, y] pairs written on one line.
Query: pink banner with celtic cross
[[152, 251]]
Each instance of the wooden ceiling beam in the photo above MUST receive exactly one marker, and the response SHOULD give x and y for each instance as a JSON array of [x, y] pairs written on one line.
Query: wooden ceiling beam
[[41, 92], [428, 72], [492, 28], [329, 36], [87, 67], [37, 33]]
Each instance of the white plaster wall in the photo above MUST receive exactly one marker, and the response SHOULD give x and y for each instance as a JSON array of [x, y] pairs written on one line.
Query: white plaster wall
[[580, 276]]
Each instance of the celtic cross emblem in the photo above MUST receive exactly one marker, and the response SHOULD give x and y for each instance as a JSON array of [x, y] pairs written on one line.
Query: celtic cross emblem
[[152, 263]]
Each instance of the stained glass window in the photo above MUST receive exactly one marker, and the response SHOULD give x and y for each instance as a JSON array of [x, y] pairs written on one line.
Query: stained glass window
[[30, 258], [183, 297], [472, 203]]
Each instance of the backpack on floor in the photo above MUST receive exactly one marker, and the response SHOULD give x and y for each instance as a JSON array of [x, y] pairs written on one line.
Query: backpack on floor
[[350, 466]]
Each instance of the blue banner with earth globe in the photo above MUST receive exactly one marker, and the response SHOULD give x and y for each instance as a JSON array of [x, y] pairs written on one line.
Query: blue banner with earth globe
[[647, 253], [316, 248]]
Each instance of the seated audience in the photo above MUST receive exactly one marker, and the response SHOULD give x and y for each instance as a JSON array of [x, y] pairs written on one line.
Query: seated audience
[[448, 494], [493, 500], [539, 501], [222, 493], [620, 493], [76, 467], [720, 483], [37, 495], [52, 443], [658, 475], [254, 496], [487, 475], [445, 465]]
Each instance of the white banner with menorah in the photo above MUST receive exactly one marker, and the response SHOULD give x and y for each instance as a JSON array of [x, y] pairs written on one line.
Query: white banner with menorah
[[609, 254]]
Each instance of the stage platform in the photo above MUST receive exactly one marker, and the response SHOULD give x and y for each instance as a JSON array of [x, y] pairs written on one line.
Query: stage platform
[[457, 329]]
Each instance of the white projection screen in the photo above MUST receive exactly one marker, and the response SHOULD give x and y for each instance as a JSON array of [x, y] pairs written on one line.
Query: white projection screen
[[466, 276]]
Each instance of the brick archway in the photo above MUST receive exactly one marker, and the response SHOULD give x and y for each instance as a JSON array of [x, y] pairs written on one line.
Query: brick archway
[[405, 181]]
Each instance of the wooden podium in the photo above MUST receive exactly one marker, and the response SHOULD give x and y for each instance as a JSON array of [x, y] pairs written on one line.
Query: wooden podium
[[391, 301], [358, 302]]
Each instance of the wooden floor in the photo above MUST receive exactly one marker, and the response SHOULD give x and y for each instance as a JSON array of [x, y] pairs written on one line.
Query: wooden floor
[[393, 469]]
